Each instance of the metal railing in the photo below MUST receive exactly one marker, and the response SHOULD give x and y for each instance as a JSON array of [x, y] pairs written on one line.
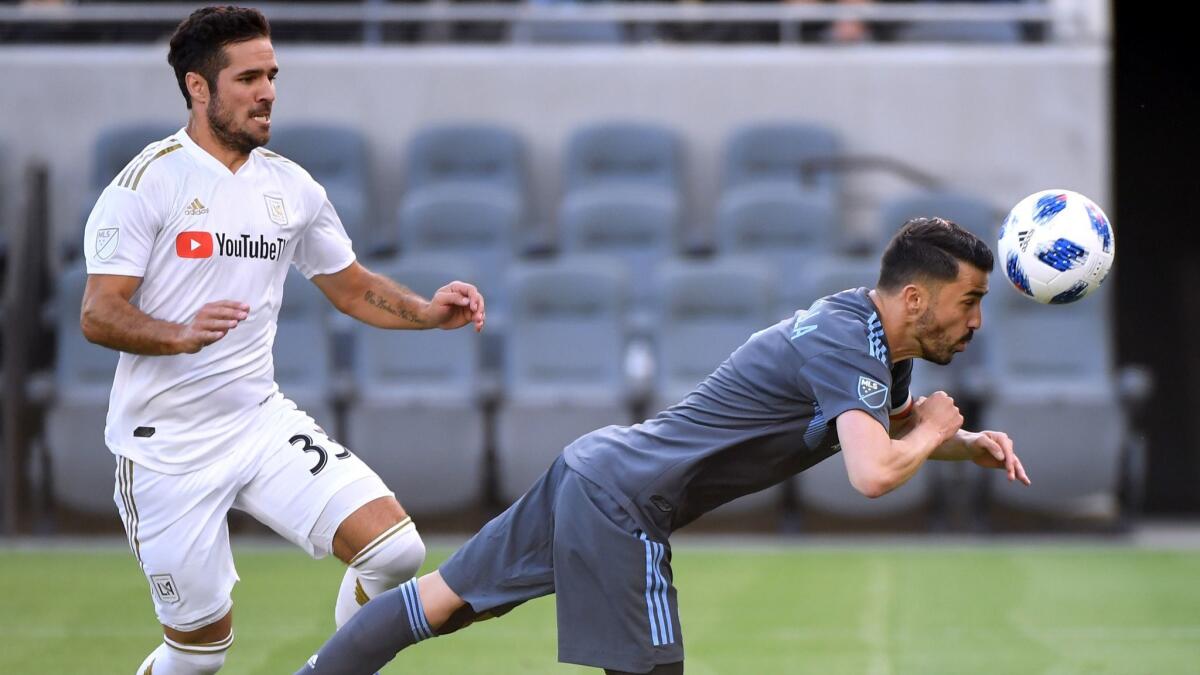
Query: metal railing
[[372, 15]]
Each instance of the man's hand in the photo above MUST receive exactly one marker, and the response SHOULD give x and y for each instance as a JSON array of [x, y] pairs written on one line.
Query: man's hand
[[211, 323], [939, 413], [994, 450], [454, 305]]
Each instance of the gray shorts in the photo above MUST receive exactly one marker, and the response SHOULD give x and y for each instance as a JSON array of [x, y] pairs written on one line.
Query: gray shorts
[[617, 606]]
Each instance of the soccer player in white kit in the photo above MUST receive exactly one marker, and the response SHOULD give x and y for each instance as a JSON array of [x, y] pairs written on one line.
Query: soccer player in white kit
[[187, 251]]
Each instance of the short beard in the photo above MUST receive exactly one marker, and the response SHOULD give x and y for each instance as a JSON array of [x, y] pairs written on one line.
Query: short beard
[[221, 122], [932, 343]]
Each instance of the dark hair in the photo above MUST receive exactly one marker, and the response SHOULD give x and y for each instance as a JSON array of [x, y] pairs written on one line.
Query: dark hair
[[930, 248], [198, 45]]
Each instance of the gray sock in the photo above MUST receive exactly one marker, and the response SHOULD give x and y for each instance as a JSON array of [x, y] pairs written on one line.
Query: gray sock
[[384, 626]]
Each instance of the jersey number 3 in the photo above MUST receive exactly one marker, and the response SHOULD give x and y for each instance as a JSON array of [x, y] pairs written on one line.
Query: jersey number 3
[[322, 455]]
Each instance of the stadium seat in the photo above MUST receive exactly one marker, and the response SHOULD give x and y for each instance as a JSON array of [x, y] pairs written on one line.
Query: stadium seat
[[791, 228], [113, 149], [623, 153], [1053, 389], [466, 154], [336, 157], [633, 227], [416, 416], [116, 146], [81, 466], [971, 213], [476, 225], [563, 375], [303, 350], [706, 311], [775, 151]]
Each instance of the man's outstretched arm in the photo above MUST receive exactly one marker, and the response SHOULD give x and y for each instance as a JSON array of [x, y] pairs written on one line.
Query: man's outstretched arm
[[377, 300], [989, 449]]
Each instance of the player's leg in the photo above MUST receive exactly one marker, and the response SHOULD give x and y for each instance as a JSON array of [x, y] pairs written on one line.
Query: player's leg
[[381, 548], [617, 607], [194, 652], [177, 530], [507, 563], [320, 496]]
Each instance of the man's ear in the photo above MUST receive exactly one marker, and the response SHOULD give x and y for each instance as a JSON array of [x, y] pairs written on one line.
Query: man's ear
[[916, 299], [197, 88]]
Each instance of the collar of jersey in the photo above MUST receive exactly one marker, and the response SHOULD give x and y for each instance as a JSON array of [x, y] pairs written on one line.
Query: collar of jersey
[[206, 159], [869, 308]]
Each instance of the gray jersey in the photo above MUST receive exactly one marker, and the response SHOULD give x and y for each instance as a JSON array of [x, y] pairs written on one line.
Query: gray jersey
[[765, 414]]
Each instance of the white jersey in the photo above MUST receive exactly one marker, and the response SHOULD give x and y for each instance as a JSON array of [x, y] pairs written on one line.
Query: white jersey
[[195, 233]]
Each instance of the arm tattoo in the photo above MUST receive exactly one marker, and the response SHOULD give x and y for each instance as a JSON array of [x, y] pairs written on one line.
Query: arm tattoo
[[375, 301]]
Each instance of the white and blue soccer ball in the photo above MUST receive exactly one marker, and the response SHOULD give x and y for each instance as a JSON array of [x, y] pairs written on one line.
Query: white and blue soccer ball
[[1056, 246]]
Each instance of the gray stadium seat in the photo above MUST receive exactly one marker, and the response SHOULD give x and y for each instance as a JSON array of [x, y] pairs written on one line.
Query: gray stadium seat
[[81, 466], [706, 311], [416, 416], [563, 356], [623, 153], [116, 146], [479, 226], [336, 156], [973, 214], [774, 151], [791, 228], [303, 350], [465, 154], [1053, 389], [636, 228]]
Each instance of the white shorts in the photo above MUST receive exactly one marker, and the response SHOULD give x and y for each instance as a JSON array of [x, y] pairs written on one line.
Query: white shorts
[[285, 471]]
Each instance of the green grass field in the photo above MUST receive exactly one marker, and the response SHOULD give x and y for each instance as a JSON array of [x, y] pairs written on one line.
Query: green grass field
[[933, 609]]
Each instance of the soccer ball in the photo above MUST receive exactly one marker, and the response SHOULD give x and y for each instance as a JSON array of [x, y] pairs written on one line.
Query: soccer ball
[[1056, 246]]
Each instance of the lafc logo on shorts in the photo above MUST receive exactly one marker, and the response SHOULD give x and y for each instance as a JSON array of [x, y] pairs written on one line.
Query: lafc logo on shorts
[[275, 210], [165, 588], [196, 208], [873, 393]]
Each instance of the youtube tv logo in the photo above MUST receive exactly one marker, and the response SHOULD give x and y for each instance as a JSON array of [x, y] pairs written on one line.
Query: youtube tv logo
[[194, 245]]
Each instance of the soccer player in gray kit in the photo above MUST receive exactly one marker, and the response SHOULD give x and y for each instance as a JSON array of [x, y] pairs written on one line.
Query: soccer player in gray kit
[[594, 528]]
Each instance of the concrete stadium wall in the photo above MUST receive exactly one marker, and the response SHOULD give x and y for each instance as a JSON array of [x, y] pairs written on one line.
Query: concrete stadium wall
[[998, 121]]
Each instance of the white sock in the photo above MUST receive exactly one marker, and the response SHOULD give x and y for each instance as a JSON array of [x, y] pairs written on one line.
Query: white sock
[[174, 658], [388, 561]]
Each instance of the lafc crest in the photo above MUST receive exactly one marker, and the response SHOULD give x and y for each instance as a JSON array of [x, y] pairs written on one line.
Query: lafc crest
[[275, 210]]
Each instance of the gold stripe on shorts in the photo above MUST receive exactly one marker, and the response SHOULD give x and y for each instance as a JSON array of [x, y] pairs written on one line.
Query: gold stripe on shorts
[[125, 482]]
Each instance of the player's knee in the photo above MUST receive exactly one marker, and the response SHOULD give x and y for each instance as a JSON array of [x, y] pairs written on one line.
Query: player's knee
[[192, 658], [392, 558]]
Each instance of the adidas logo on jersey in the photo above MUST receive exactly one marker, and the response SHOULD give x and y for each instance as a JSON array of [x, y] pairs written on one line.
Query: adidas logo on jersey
[[196, 208]]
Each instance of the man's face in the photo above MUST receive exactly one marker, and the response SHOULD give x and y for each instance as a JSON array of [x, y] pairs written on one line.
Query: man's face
[[239, 111], [953, 315]]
